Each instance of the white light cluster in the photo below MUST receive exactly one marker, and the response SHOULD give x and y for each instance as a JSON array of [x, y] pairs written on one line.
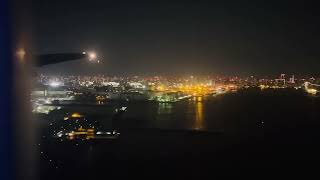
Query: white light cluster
[[55, 84]]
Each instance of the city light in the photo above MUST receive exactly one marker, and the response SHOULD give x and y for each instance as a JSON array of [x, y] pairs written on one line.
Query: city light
[[76, 115], [55, 84]]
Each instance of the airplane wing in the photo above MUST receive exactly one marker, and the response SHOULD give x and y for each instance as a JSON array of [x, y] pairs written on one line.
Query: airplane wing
[[46, 59]]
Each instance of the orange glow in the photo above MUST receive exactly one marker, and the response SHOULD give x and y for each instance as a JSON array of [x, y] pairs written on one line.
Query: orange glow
[[161, 88], [76, 115], [90, 130], [21, 54], [195, 89]]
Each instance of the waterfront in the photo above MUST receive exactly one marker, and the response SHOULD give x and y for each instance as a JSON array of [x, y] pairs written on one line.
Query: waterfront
[[233, 112]]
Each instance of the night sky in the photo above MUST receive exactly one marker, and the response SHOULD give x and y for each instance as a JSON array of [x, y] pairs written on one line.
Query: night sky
[[181, 37]]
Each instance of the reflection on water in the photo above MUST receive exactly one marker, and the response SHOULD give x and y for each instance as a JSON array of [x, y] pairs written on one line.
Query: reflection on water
[[165, 108], [190, 114], [199, 119]]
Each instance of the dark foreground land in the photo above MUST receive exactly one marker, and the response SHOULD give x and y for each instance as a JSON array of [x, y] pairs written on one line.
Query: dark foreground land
[[262, 133]]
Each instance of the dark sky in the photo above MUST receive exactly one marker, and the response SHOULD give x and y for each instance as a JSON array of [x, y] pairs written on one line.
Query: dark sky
[[165, 37]]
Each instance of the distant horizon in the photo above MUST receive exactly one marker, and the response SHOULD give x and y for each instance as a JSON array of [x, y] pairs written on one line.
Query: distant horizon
[[182, 75]]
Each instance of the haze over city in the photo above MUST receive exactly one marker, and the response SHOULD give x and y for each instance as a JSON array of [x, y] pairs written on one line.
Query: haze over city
[[126, 89]]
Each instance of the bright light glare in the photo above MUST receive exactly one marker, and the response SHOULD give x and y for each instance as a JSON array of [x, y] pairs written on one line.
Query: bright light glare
[[55, 84], [92, 56]]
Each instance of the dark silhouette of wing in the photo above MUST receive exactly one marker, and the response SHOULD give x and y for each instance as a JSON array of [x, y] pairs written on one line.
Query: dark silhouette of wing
[[46, 59]]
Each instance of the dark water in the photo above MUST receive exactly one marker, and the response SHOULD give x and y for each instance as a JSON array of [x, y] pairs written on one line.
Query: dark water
[[268, 131], [252, 110], [192, 114]]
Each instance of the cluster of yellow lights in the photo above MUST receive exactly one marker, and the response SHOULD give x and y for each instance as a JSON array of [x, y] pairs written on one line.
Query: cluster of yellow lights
[[195, 90], [199, 89], [270, 87], [88, 133]]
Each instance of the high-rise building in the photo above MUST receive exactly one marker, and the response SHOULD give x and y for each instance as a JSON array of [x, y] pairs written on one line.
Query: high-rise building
[[292, 79]]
